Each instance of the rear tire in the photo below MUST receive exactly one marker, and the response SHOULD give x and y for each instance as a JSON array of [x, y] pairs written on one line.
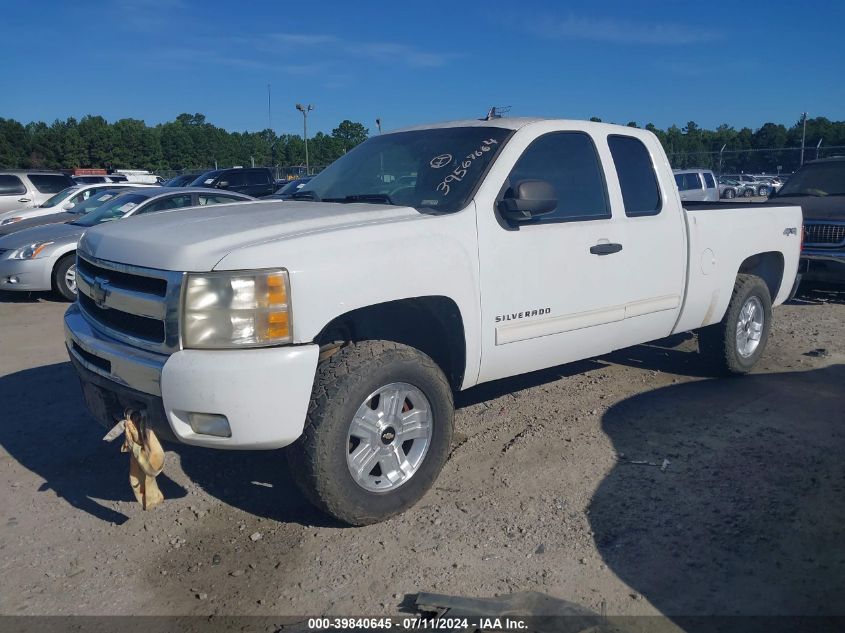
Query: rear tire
[[351, 461], [64, 277], [738, 341]]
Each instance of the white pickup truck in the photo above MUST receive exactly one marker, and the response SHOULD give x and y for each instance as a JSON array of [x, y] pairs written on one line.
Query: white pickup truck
[[424, 261]]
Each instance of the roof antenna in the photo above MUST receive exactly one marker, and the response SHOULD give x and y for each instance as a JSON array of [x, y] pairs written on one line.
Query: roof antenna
[[496, 112]]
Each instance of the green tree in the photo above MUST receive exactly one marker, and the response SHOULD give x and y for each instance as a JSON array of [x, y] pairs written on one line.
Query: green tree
[[350, 134]]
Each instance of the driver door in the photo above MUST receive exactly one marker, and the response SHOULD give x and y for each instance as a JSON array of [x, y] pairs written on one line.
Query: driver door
[[551, 289]]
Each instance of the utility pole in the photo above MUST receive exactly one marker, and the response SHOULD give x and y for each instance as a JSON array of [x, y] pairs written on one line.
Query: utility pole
[[720, 157], [269, 109], [803, 134], [305, 109]]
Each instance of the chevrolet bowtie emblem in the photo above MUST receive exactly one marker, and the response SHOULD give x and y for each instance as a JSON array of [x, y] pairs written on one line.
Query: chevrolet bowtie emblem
[[99, 292]]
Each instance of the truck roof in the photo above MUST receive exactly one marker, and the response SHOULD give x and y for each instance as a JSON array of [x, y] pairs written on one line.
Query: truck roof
[[508, 123]]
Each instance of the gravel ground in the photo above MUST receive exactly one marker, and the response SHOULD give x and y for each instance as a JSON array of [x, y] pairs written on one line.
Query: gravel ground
[[632, 483]]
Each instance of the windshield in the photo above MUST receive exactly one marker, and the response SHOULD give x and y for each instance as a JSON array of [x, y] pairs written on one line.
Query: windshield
[[436, 169], [293, 185], [101, 197], [113, 209], [816, 179], [204, 180], [58, 198]]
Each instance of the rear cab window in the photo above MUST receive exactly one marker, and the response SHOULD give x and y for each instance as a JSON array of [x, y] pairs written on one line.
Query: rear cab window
[[637, 178], [709, 181], [11, 185]]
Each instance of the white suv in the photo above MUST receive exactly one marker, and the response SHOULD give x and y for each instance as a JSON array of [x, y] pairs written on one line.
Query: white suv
[[30, 187]]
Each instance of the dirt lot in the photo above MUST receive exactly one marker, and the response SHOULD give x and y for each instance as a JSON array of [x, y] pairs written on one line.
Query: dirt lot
[[546, 490]]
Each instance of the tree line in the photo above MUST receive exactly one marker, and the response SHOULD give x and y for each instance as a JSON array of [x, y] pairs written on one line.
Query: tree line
[[766, 149], [192, 143], [188, 143]]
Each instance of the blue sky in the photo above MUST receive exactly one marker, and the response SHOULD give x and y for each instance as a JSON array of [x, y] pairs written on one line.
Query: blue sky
[[743, 63]]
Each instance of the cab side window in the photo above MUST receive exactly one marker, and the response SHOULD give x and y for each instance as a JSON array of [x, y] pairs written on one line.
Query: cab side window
[[234, 178], [640, 192], [568, 161], [172, 202], [206, 199]]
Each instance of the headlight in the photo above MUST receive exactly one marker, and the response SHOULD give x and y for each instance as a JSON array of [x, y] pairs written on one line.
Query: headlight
[[237, 309], [17, 218], [31, 251]]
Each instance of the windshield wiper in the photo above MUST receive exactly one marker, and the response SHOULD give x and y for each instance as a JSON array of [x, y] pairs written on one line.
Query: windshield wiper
[[363, 197], [305, 195]]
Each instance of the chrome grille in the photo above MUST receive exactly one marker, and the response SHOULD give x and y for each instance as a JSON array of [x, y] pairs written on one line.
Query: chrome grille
[[139, 306], [824, 233]]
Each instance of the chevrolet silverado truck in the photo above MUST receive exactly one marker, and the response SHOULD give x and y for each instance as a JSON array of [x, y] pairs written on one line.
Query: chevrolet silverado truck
[[425, 261]]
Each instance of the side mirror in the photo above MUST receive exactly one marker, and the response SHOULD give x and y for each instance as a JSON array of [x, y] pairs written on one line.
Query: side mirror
[[527, 199], [223, 184], [67, 206]]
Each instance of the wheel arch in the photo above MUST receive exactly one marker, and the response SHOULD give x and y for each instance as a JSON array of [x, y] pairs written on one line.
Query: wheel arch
[[432, 324], [769, 266]]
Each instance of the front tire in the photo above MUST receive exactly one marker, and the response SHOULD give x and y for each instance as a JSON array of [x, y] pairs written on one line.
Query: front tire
[[738, 341], [377, 434], [730, 193], [64, 277]]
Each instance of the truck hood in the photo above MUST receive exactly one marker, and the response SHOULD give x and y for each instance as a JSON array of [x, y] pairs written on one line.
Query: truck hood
[[196, 239], [817, 207]]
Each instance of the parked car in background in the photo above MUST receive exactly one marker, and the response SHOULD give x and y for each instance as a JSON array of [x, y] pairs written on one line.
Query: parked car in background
[[21, 188], [291, 188], [729, 188], [697, 185], [183, 180], [44, 257], [58, 217], [98, 179], [757, 187], [65, 200], [252, 181], [819, 187]]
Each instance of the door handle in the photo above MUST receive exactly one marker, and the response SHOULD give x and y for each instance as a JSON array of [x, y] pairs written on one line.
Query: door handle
[[605, 249], [24, 199]]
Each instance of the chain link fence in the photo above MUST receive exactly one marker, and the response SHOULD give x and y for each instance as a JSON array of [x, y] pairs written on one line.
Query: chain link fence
[[752, 161]]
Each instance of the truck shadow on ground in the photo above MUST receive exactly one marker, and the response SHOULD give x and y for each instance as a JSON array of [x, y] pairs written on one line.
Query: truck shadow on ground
[[44, 426], [257, 482], [748, 516]]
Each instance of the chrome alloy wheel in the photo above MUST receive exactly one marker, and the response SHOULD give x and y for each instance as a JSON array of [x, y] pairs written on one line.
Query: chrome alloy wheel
[[70, 279], [389, 437], [749, 327]]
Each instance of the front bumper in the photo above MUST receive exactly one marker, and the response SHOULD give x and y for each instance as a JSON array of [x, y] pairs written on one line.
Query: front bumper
[[263, 393], [28, 275], [823, 266]]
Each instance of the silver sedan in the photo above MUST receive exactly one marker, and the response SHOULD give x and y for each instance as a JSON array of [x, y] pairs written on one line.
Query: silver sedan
[[44, 257]]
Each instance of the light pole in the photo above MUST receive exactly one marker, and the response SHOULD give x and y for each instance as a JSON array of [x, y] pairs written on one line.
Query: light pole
[[305, 109], [378, 125], [817, 148], [803, 134], [720, 157]]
